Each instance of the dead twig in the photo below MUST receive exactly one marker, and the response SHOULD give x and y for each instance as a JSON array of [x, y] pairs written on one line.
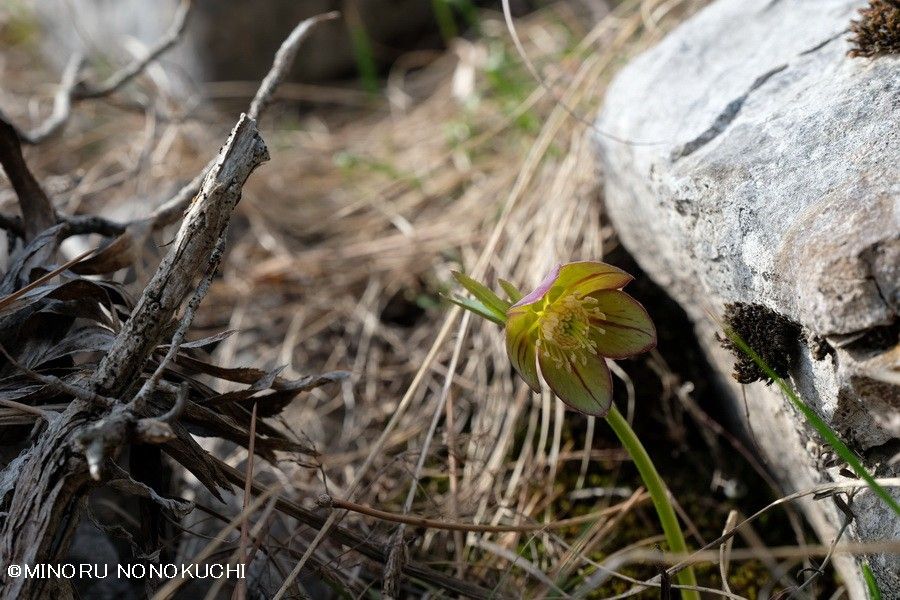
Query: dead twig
[[203, 227], [171, 210], [50, 476], [118, 79], [327, 501], [37, 211], [282, 63], [72, 89], [184, 324], [75, 225], [47, 415], [62, 105]]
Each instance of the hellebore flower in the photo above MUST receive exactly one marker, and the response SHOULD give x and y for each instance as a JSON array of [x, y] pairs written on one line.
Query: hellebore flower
[[563, 332], [575, 319], [571, 322]]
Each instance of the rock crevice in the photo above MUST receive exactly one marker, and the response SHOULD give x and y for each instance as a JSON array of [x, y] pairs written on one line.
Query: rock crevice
[[725, 117]]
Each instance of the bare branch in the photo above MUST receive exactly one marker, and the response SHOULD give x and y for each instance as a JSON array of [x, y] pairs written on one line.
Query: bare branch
[[77, 225], [37, 411], [71, 89], [37, 212], [83, 224], [62, 105], [201, 230], [282, 63], [136, 67], [326, 501], [172, 209], [149, 386]]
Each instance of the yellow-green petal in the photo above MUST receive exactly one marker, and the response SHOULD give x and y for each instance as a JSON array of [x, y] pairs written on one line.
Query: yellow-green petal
[[587, 387], [626, 327], [521, 339], [585, 277]]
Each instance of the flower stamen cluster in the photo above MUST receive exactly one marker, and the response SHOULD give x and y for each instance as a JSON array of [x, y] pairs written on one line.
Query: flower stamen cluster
[[564, 330]]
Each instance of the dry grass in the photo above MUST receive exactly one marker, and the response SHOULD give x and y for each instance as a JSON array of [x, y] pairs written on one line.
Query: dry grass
[[358, 226]]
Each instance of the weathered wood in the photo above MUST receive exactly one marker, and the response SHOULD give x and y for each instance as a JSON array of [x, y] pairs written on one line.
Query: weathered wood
[[40, 488], [39, 515], [203, 225], [54, 472]]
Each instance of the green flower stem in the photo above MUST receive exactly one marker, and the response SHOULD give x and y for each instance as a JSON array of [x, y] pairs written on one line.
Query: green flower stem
[[658, 494], [827, 433]]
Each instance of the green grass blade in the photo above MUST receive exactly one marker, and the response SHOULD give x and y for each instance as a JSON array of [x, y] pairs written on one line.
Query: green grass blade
[[443, 14], [818, 423], [482, 293], [512, 291], [871, 584], [479, 308], [363, 53]]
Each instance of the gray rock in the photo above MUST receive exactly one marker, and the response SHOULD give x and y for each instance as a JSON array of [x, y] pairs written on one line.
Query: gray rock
[[763, 166]]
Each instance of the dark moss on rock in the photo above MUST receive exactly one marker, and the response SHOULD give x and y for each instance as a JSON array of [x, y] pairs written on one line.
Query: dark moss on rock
[[877, 31], [771, 335]]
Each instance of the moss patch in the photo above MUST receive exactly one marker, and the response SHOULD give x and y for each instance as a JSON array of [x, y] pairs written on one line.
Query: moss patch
[[771, 335], [877, 31]]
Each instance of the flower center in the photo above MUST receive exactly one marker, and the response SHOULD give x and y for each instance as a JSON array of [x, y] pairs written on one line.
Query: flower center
[[565, 327]]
